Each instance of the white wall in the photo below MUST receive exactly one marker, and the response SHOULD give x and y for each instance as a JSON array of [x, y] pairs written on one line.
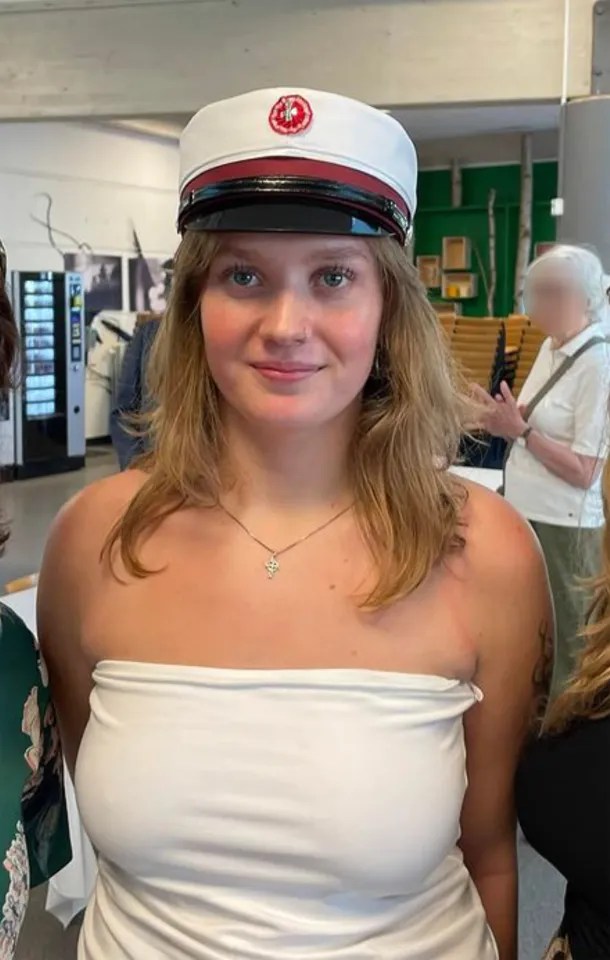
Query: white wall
[[101, 181], [132, 59]]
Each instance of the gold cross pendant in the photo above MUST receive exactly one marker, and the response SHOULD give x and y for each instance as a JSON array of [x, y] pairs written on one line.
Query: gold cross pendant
[[272, 566]]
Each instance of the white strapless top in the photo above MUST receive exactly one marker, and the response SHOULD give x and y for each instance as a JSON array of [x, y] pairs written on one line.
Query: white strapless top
[[277, 815]]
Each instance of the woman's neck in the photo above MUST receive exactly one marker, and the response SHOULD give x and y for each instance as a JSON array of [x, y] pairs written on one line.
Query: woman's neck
[[288, 469], [561, 339]]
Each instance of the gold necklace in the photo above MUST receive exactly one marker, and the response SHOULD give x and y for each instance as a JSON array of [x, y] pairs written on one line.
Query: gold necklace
[[272, 564]]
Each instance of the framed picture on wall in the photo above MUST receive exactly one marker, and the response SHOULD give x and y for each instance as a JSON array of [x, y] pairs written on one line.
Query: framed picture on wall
[[102, 281], [429, 269], [147, 284]]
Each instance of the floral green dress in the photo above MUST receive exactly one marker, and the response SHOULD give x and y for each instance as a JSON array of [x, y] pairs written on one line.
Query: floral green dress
[[34, 836]]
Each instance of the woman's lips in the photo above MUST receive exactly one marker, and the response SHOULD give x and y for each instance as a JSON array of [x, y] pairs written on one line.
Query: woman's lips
[[286, 372]]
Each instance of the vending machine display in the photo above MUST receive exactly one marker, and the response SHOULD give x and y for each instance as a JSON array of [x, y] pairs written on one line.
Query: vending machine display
[[49, 401]]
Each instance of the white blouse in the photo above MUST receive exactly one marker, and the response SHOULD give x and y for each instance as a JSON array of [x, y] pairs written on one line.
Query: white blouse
[[575, 413]]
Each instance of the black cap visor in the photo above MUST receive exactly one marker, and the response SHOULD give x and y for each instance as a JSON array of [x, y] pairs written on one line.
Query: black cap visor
[[291, 205]]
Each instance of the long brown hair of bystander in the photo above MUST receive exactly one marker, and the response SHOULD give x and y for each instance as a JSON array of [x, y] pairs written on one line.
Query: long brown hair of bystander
[[8, 353]]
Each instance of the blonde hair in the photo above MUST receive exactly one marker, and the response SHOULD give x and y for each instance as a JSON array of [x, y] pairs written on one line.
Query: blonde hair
[[407, 505], [587, 695]]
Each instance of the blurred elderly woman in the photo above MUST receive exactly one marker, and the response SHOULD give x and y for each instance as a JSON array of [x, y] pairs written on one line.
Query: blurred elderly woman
[[557, 431]]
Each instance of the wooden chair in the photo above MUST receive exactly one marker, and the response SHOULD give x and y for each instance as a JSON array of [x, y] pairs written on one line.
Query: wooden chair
[[532, 340], [444, 308], [22, 583], [474, 340], [478, 324], [447, 322], [476, 350], [514, 326]]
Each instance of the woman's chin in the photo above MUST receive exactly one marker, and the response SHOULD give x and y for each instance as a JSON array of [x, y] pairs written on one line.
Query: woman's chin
[[295, 412]]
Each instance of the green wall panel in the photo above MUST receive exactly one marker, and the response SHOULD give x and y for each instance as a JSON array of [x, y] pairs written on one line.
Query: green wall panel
[[436, 219]]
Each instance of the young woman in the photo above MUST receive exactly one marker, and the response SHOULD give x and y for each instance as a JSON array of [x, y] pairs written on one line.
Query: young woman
[[268, 642], [34, 839], [563, 786], [553, 474]]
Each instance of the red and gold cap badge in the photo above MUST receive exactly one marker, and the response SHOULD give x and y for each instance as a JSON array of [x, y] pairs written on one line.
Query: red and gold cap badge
[[291, 115]]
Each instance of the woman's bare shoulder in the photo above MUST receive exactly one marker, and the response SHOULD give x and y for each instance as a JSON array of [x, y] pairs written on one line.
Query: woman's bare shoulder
[[503, 571], [85, 521], [493, 528]]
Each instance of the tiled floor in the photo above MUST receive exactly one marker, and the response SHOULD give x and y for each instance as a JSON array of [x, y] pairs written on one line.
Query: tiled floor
[[31, 505], [43, 937]]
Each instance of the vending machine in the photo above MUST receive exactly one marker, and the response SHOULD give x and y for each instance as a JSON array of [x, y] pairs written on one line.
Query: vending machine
[[49, 414]]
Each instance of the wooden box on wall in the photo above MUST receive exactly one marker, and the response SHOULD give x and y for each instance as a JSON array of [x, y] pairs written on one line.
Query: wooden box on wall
[[460, 286], [429, 269], [457, 253]]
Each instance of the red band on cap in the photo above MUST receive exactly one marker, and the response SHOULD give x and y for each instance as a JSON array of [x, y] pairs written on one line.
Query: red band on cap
[[296, 167]]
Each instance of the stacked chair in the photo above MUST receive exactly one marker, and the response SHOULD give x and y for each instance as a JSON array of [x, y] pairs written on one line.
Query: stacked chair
[[489, 349], [531, 342], [478, 346], [447, 322], [446, 317], [514, 326]]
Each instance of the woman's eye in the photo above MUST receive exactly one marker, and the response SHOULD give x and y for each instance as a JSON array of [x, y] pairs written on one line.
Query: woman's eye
[[333, 279], [337, 277], [243, 278]]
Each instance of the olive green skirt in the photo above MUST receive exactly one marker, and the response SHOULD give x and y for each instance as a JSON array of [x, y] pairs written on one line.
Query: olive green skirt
[[573, 558]]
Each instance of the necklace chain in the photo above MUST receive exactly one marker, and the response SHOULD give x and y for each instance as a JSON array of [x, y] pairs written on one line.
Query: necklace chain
[[272, 564]]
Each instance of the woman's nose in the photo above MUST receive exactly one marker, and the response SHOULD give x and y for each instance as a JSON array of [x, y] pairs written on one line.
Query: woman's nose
[[285, 317]]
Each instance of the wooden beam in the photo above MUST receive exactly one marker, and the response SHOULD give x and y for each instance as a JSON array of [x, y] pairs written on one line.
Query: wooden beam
[[118, 59]]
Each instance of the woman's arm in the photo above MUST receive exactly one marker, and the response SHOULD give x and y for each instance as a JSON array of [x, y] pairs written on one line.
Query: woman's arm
[[577, 469], [61, 588], [512, 622], [72, 580]]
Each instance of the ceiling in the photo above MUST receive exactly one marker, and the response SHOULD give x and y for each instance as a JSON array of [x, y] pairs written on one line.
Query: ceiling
[[446, 122], [423, 123]]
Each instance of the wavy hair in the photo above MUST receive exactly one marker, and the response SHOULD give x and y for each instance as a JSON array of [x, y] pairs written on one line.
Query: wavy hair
[[587, 695], [412, 413], [9, 342]]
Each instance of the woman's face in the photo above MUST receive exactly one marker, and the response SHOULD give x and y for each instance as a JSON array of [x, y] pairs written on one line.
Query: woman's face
[[555, 303], [290, 325]]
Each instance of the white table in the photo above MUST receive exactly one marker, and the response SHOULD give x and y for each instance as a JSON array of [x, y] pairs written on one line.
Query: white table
[[70, 890], [492, 479]]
